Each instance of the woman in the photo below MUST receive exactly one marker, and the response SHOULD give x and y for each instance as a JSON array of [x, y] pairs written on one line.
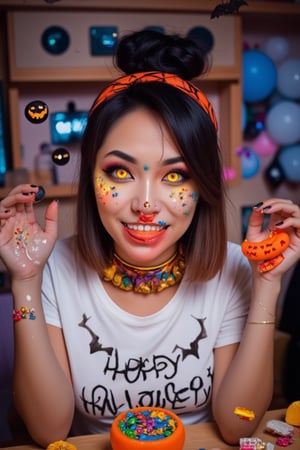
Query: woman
[[148, 304]]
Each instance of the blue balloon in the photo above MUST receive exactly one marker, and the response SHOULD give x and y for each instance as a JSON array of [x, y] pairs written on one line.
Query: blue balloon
[[249, 162], [244, 116], [289, 160], [259, 76], [282, 122]]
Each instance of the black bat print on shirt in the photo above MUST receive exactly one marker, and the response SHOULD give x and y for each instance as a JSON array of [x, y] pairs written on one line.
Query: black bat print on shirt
[[193, 349], [95, 345]]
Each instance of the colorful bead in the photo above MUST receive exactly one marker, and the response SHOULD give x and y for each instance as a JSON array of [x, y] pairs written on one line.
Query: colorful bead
[[147, 425], [24, 313]]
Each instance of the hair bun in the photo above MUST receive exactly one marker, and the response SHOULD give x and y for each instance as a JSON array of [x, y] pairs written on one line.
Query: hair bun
[[148, 50]]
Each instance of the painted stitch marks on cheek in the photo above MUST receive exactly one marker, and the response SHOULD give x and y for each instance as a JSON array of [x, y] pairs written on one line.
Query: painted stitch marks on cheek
[[185, 199], [105, 190]]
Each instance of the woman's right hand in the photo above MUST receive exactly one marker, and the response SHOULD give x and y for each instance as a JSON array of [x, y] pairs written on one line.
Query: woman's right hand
[[24, 245]]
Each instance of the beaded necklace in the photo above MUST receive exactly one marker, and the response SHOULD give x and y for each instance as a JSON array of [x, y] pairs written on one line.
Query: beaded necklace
[[143, 280]]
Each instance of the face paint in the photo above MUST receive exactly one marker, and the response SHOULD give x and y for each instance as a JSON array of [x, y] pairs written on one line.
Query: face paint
[[184, 198], [104, 189], [156, 199]]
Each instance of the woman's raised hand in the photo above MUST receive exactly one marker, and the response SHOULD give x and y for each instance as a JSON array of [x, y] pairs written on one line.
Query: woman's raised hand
[[24, 245], [284, 216]]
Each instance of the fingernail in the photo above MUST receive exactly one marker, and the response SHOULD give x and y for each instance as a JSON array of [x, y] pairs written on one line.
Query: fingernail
[[258, 205], [7, 211], [40, 194], [33, 185], [267, 207], [279, 223]]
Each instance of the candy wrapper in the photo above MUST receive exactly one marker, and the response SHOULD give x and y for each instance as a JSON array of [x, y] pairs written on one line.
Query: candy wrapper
[[255, 444]]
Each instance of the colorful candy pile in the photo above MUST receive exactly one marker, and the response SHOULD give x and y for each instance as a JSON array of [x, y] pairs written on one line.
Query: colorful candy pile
[[147, 425]]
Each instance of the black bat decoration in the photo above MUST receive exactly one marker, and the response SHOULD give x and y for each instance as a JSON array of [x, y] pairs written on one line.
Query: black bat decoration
[[230, 7]]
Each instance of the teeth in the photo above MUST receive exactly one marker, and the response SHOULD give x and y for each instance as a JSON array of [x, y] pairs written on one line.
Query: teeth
[[141, 227]]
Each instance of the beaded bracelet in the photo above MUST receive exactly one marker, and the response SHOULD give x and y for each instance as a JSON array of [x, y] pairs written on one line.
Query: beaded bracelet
[[24, 313]]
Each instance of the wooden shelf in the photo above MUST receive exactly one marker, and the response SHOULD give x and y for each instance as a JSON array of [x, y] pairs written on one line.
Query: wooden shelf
[[55, 191], [225, 75], [261, 7]]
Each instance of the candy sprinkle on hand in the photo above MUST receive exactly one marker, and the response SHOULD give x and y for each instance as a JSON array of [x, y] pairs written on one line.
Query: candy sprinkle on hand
[[244, 413]]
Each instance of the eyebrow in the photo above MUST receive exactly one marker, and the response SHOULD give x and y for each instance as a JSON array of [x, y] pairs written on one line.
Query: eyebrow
[[133, 160], [174, 160], [122, 155]]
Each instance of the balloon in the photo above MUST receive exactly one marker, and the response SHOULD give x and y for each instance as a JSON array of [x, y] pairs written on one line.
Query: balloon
[[259, 76], [274, 173], [229, 173], [288, 81], [289, 160], [283, 122], [249, 162], [203, 37], [264, 145], [244, 116], [252, 130], [276, 47]]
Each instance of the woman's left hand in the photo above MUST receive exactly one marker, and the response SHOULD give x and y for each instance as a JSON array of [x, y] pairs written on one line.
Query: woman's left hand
[[284, 215]]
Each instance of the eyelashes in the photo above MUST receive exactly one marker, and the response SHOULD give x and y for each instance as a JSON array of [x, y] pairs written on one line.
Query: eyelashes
[[118, 173], [121, 174], [176, 176]]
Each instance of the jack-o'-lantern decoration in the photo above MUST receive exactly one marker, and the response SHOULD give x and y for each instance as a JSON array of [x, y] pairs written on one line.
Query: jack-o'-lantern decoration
[[36, 111], [61, 156], [269, 250]]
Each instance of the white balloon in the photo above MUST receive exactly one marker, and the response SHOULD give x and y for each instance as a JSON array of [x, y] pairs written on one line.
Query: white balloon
[[288, 78], [277, 48], [282, 122]]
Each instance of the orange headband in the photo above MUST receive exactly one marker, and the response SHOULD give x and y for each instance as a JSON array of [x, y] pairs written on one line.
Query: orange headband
[[185, 86]]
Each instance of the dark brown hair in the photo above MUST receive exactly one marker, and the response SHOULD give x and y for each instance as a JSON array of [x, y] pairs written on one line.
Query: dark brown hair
[[195, 136]]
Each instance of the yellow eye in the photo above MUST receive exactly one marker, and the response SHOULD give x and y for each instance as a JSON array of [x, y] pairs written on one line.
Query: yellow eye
[[173, 177], [121, 173]]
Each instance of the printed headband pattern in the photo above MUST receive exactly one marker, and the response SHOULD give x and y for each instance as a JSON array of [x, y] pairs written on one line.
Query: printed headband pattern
[[142, 77]]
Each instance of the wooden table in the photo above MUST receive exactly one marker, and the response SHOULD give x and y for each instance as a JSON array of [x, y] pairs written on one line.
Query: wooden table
[[202, 435]]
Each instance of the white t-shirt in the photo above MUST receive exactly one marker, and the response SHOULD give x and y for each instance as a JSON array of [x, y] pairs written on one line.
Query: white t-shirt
[[119, 360]]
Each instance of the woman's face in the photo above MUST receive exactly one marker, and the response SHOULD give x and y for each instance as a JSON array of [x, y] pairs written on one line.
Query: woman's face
[[145, 196]]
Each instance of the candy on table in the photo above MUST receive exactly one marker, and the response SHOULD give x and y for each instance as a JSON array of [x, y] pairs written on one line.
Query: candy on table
[[284, 441], [279, 427], [61, 445], [292, 415], [254, 443], [147, 425]]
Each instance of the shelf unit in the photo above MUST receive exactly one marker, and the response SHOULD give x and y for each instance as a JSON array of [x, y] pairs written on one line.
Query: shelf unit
[[224, 80]]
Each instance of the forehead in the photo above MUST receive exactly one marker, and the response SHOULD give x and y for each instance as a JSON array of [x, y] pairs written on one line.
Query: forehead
[[142, 134]]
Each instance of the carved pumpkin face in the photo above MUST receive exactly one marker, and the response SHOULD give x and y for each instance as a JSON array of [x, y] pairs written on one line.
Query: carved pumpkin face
[[36, 111]]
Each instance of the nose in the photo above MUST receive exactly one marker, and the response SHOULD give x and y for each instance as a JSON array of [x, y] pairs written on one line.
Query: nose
[[145, 207]]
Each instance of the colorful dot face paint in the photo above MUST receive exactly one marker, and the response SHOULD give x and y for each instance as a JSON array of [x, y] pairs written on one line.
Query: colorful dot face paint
[[184, 198], [105, 190]]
